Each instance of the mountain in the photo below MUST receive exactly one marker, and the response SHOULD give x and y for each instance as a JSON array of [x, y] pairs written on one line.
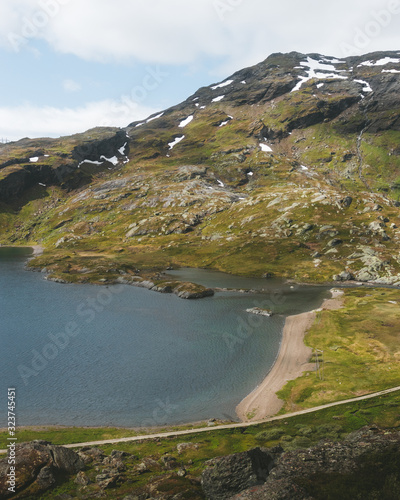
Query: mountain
[[288, 168]]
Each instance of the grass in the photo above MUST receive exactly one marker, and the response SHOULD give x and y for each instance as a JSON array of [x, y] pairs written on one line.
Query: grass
[[361, 350], [291, 433]]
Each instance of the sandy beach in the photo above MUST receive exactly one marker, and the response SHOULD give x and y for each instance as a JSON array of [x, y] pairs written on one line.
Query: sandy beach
[[292, 361], [37, 250]]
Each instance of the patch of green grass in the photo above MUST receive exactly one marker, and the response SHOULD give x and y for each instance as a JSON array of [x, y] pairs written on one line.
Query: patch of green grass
[[361, 350]]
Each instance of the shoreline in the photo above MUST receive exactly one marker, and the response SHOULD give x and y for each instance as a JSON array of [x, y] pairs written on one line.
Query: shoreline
[[293, 359], [36, 249]]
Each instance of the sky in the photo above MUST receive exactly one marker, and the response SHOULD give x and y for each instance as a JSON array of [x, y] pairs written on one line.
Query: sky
[[70, 65]]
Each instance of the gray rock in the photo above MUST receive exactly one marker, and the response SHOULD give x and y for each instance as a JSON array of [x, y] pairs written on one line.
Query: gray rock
[[293, 477], [82, 479], [181, 447], [343, 276], [366, 274], [376, 226], [42, 463], [347, 201], [335, 242], [229, 475]]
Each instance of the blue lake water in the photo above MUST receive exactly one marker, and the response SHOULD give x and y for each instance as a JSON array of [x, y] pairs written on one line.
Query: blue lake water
[[126, 356]]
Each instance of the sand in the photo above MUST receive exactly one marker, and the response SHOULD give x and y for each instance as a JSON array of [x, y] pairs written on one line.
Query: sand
[[37, 250], [293, 359]]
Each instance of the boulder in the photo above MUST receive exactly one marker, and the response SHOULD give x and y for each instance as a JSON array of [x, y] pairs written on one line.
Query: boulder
[[335, 242], [347, 201], [364, 462], [226, 476], [40, 466], [343, 276]]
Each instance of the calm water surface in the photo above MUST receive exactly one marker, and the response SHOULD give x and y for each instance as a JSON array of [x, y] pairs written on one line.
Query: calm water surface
[[126, 356]]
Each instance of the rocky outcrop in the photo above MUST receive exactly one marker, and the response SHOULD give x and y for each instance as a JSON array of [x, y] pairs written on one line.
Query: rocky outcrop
[[192, 291], [364, 465], [39, 466], [228, 475], [62, 169]]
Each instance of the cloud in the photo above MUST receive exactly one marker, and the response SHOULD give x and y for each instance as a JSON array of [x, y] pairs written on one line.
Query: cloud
[[235, 33], [71, 86], [33, 121]]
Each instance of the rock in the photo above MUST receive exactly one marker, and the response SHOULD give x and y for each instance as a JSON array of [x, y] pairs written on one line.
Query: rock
[[347, 201], [366, 453], [169, 462], [335, 242], [82, 479], [120, 454], [39, 465], [107, 480], [229, 475], [190, 172], [115, 463], [366, 274], [181, 447], [259, 311], [343, 276], [192, 291], [376, 226], [306, 227], [147, 465], [268, 275], [93, 453]]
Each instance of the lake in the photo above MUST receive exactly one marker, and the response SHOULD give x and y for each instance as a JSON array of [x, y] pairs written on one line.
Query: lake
[[87, 355]]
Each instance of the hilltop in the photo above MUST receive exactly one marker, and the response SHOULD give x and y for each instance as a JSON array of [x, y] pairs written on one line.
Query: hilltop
[[288, 168]]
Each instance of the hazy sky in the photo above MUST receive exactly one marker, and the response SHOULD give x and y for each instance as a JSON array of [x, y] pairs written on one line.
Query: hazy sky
[[68, 65]]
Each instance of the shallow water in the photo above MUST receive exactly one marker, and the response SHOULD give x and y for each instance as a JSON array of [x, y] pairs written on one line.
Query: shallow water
[[126, 356]]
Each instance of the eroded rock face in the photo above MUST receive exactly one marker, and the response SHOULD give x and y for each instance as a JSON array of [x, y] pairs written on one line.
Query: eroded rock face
[[365, 464], [226, 476], [39, 465]]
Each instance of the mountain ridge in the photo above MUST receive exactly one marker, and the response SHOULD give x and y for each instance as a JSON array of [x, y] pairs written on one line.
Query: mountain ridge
[[306, 145]]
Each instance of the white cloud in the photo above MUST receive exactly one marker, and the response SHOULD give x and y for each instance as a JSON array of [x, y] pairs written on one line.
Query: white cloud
[[235, 32], [33, 121], [71, 86]]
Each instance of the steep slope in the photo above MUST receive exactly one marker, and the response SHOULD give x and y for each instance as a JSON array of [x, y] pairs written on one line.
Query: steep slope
[[290, 167]]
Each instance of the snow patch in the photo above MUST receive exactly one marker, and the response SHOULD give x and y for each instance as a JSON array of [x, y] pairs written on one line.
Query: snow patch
[[175, 141], [390, 71], [154, 118], [265, 148], [114, 160], [250, 174], [303, 167], [221, 183], [367, 86], [314, 65], [217, 99], [91, 162], [243, 82], [186, 121], [122, 150], [140, 124], [34, 159], [41, 184], [319, 85], [221, 85], [380, 62]]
